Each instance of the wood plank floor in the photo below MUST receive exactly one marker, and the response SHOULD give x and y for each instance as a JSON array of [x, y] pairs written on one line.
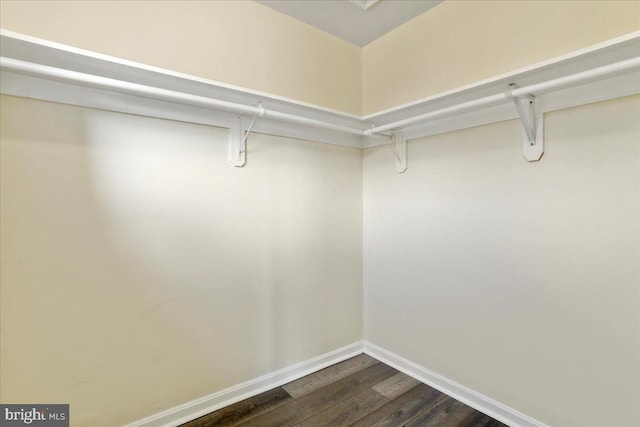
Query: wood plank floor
[[358, 392]]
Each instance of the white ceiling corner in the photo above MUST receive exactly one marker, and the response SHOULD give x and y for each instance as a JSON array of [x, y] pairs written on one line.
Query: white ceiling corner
[[364, 4], [357, 21]]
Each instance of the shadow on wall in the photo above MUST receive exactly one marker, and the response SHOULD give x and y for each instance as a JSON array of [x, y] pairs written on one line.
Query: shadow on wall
[[141, 271]]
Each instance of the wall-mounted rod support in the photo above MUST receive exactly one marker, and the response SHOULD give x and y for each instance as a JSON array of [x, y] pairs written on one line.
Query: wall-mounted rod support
[[238, 139], [532, 151], [525, 106], [532, 123], [237, 154], [400, 151]]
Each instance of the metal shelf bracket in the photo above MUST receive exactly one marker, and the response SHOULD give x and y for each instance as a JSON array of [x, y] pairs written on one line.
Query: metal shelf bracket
[[400, 151], [237, 155], [533, 124], [238, 140]]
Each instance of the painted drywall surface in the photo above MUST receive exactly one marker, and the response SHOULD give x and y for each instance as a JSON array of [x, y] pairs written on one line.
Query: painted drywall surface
[[140, 270], [519, 280], [461, 42], [237, 42]]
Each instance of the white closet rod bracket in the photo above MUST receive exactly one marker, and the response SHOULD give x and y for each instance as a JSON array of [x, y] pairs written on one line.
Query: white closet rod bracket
[[237, 155], [533, 124], [397, 145], [401, 151], [238, 139]]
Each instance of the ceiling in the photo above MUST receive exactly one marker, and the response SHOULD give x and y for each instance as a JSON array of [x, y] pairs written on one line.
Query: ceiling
[[357, 21]]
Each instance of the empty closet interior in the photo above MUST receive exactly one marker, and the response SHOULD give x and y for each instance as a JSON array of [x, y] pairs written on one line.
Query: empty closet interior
[[204, 200]]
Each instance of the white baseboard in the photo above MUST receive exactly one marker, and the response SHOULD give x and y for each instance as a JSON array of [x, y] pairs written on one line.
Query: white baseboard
[[459, 392], [199, 407]]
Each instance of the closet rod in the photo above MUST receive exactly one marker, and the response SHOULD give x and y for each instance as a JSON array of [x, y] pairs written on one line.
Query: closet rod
[[59, 74], [500, 98], [99, 82]]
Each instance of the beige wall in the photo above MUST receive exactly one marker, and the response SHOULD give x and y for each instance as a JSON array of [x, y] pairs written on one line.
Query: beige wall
[[140, 270], [238, 42], [519, 280], [461, 42]]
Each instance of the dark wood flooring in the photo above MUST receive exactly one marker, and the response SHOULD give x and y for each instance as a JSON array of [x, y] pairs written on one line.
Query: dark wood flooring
[[358, 392]]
